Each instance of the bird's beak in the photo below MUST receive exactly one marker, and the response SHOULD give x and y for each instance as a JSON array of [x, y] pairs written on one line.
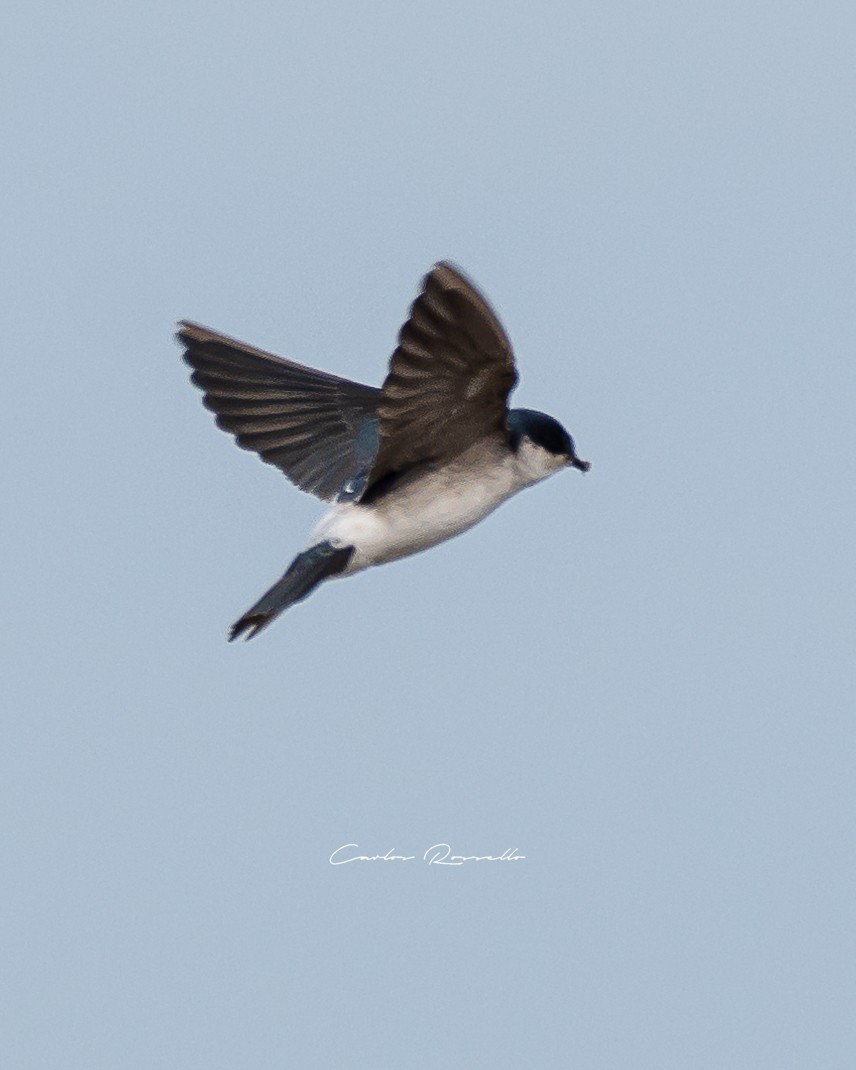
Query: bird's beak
[[575, 462]]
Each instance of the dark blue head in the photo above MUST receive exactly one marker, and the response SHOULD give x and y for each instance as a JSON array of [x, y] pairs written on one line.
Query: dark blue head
[[545, 432]]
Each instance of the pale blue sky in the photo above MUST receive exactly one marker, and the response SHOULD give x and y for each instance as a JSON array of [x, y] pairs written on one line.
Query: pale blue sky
[[641, 678]]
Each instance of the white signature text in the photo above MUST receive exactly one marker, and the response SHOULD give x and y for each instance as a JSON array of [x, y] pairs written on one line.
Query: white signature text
[[440, 854]]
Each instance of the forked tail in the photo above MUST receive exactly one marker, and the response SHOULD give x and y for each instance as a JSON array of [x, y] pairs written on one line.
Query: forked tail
[[305, 572]]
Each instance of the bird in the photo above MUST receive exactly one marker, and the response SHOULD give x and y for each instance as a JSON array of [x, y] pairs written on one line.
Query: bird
[[405, 466]]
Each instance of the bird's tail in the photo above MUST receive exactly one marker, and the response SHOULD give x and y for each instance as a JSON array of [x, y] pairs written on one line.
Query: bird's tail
[[305, 572]]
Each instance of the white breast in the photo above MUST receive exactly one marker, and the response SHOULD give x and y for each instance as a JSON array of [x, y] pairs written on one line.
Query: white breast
[[421, 513], [424, 511]]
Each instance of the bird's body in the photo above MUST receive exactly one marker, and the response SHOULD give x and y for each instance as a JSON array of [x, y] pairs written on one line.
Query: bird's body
[[428, 505], [408, 466]]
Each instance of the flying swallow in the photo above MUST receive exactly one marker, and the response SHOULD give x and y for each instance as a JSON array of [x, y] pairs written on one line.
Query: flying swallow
[[405, 466]]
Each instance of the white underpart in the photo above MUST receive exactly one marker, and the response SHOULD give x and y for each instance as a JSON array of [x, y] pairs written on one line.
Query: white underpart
[[436, 507]]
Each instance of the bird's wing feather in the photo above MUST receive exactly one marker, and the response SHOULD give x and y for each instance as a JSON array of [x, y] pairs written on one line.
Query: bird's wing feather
[[449, 378], [318, 429]]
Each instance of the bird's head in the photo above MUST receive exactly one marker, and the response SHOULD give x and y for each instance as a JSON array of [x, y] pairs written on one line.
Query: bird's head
[[542, 444]]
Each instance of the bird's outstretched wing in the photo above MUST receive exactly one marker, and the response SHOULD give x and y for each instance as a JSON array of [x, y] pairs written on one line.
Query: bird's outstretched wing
[[449, 379], [318, 429]]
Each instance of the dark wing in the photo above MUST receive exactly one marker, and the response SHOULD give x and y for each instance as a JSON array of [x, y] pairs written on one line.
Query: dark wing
[[449, 379], [318, 429]]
